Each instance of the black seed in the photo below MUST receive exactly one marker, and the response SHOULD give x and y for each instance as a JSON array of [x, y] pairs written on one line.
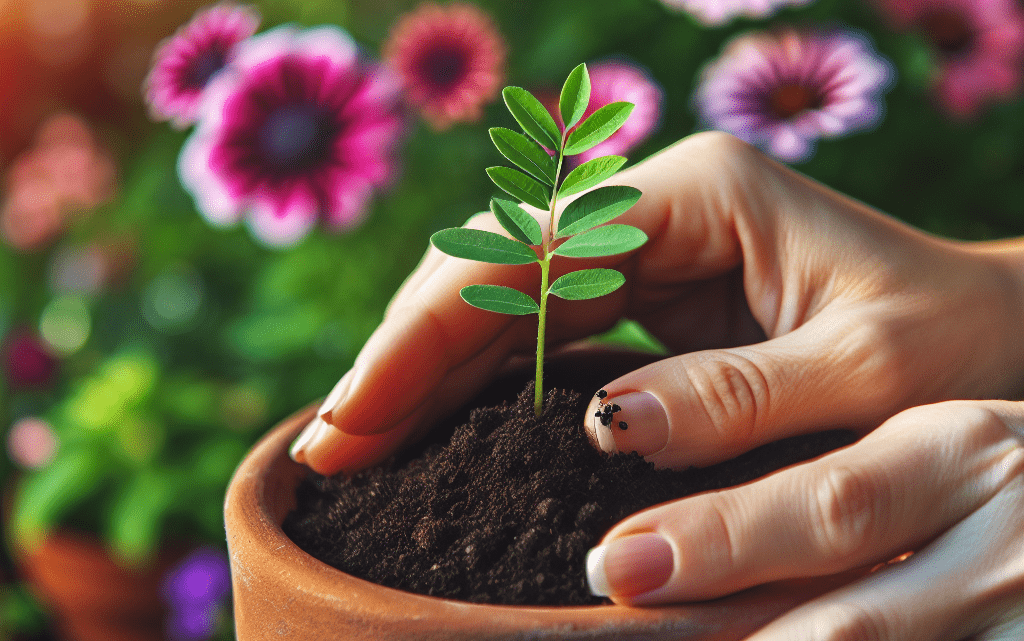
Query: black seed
[[616, 408], [598, 414], [623, 425], [601, 394], [606, 420]]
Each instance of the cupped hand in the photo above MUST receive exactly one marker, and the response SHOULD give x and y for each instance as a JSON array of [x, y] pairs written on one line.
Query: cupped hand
[[943, 481], [793, 307]]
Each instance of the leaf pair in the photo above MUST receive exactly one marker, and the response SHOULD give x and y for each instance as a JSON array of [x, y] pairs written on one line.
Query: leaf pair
[[578, 285], [536, 185]]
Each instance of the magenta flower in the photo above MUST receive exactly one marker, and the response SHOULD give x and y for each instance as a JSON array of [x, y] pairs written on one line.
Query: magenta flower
[[184, 63], [783, 91], [718, 12], [451, 60], [298, 129], [27, 363], [618, 81], [978, 45]]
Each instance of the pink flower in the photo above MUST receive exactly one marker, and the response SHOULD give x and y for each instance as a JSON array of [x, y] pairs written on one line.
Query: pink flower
[[783, 91], [297, 129], [718, 12], [67, 172], [184, 63], [31, 443], [619, 81], [451, 60], [978, 44]]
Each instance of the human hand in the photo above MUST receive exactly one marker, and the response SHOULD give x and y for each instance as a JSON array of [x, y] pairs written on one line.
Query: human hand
[[945, 481], [863, 317]]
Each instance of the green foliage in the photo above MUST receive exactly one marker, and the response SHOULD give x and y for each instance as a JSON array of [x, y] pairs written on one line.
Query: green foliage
[[586, 216]]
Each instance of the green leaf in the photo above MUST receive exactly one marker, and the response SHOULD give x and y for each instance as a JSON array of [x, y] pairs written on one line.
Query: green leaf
[[589, 174], [517, 222], [598, 127], [524, 153], [48, 494], [532, 116], [587, 283], [496, 298], [484, 246], [575, 96], [603, 241], [518, 184], [596, 208], [137, 515]]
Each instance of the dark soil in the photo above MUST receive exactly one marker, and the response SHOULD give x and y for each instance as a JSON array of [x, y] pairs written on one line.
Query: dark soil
[[505, 511]]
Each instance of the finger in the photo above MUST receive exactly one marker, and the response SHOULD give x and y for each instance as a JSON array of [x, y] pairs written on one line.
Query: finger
[[968, 583], [705, 407], [328, 450], [902, 485]]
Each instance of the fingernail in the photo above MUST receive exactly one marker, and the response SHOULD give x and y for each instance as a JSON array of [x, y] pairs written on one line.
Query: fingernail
[[640, 424], [336, 395], [297, 449], [630, 566]]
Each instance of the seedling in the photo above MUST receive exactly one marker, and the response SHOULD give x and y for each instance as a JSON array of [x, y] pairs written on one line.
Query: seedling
[[581, 231]]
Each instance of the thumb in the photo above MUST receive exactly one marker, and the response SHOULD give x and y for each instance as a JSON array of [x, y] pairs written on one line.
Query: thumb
[[706, 407]]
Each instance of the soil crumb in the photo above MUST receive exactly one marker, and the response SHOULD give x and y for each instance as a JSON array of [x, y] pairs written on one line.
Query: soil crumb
[[505, 511]]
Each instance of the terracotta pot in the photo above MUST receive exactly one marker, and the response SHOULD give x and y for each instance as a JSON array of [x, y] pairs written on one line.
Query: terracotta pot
[[92, 597], [282, 593]]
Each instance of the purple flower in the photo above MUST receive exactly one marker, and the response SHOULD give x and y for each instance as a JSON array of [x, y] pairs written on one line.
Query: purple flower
[[718, 12], [617, 81], [978, 46], [782, 91], [195, 590], [297, 129], [184, 63], [27, 363]]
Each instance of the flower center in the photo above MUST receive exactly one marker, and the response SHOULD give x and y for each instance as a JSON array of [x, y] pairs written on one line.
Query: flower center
[[948, 31], [203, 67], [294, 137], [789, 99], [443, 67]]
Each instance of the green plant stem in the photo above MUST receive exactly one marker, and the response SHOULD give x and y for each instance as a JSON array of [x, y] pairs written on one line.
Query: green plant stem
[[545, 268]]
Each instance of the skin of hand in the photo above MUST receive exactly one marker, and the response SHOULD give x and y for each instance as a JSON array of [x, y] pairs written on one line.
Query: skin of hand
[[793, 309]]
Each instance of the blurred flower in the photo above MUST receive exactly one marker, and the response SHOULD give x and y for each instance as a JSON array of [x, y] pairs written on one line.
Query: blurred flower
[[31, 443], [184, 63], [451, 60], [719, 12], [617, 81], [783, 91], [979, 46], [297, 128], [27, 363], [195, 591], [66, 172]]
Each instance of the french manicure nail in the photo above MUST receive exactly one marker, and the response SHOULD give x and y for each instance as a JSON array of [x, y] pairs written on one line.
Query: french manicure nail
[[632, 422], [336, 395], [630, 565], [296, 451]]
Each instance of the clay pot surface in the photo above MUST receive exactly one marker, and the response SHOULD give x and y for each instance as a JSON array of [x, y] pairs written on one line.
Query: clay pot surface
[[282, 593], [91, 596]]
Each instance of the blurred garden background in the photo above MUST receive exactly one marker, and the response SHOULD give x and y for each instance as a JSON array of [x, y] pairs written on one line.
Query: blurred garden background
[[204, 209]]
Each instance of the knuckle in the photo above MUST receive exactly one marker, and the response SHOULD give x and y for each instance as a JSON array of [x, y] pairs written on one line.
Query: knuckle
[[719, 147], [843, 512], [733, 393]]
